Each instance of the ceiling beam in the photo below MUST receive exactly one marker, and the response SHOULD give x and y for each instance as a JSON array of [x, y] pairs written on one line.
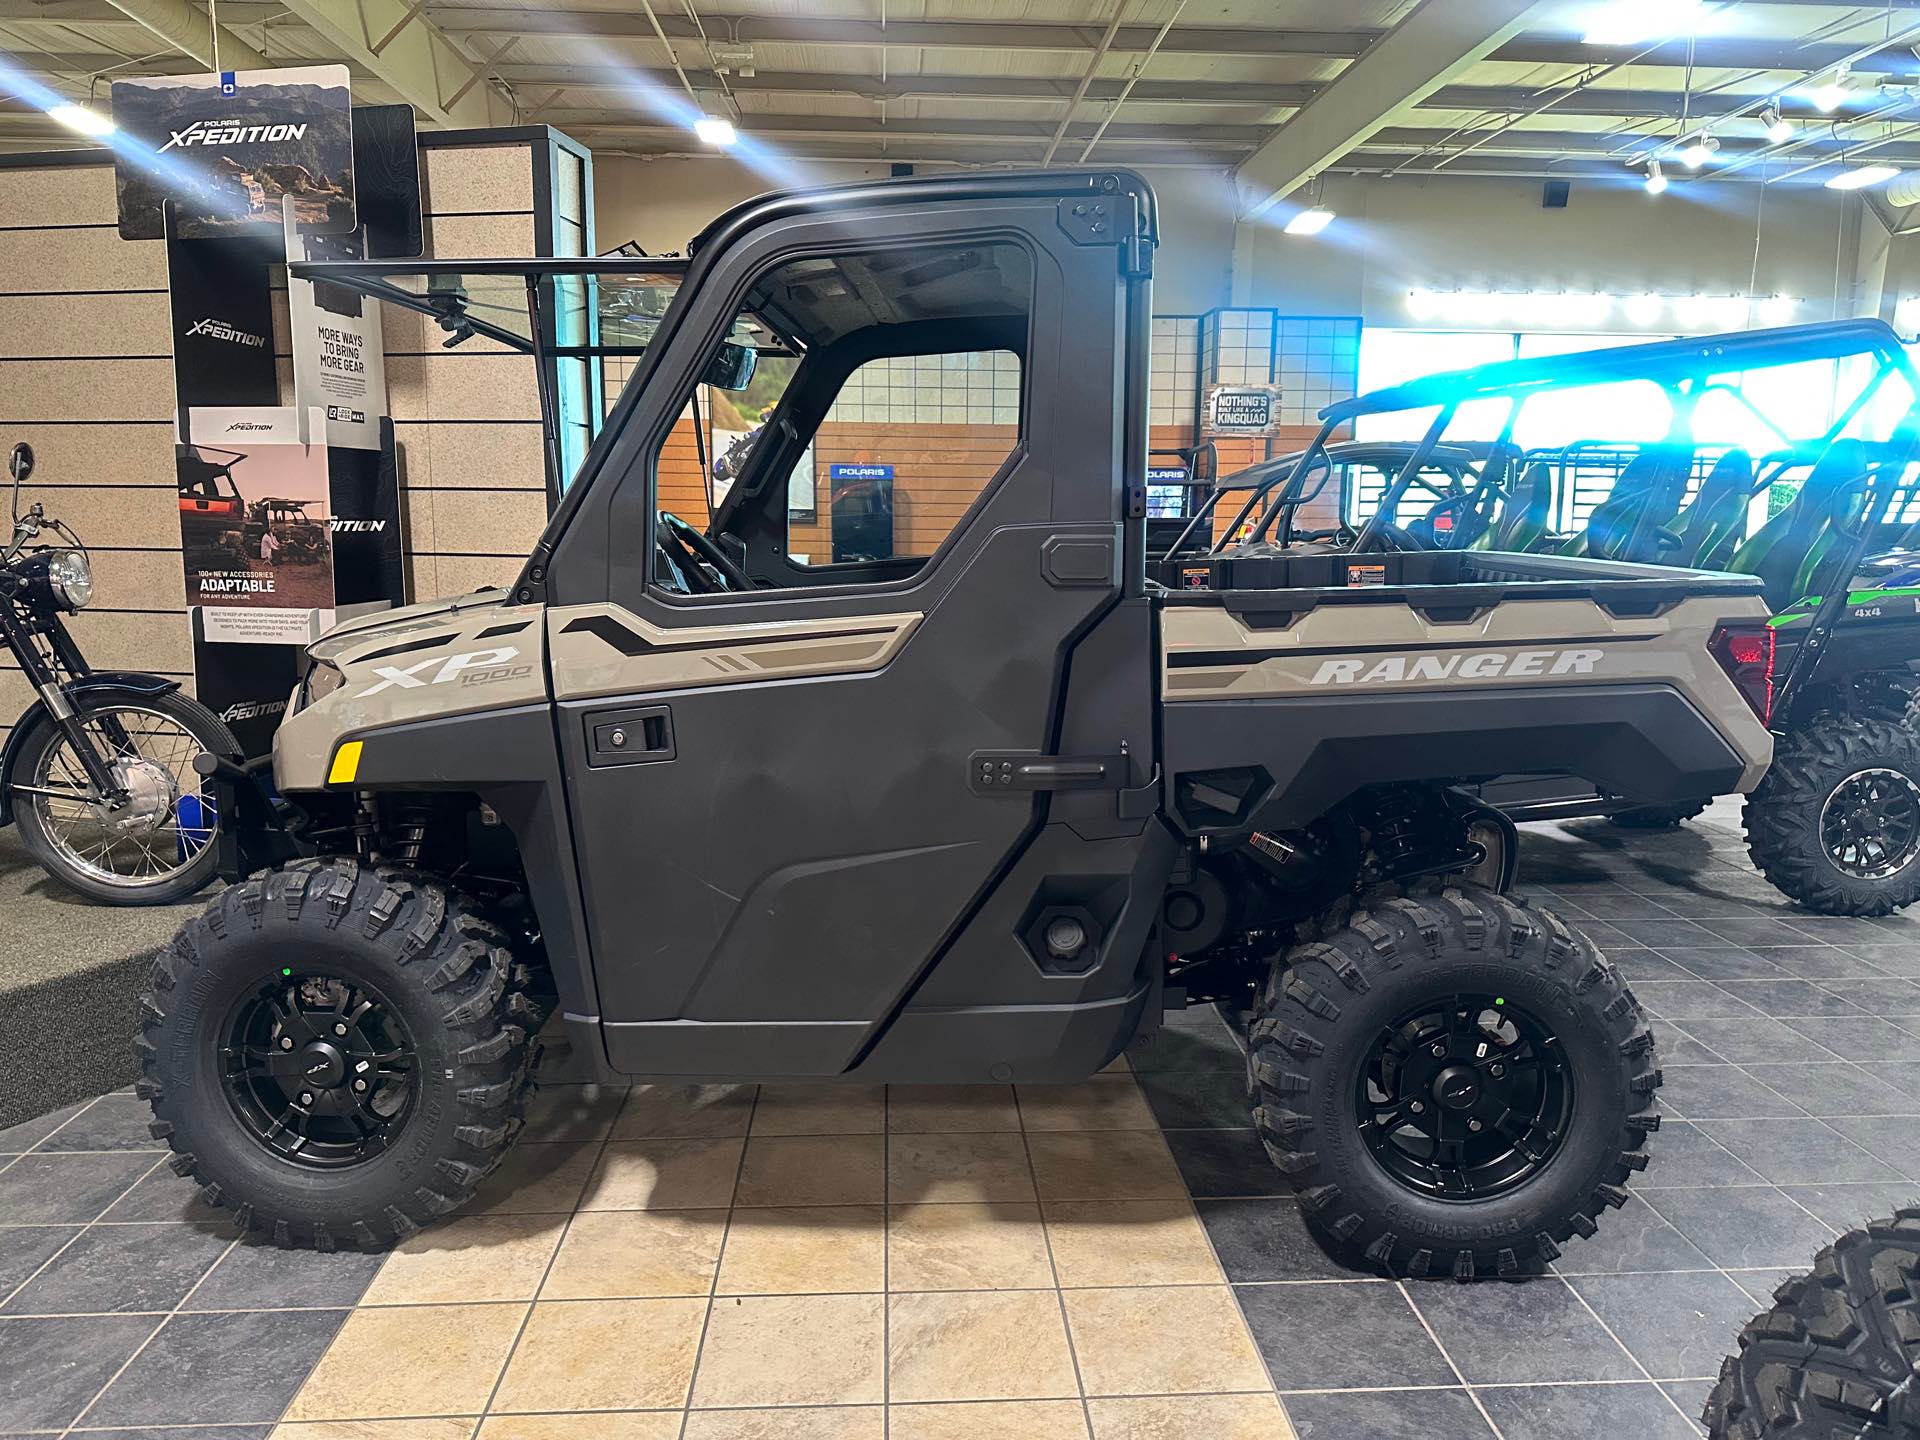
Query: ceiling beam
[[185, 28], [1437, 41], [418, 63]]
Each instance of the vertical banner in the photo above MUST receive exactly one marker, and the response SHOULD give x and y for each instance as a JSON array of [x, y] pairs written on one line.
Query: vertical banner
[[232, 151], [369, 553], [256, 533], [222, 301], [339, 368]]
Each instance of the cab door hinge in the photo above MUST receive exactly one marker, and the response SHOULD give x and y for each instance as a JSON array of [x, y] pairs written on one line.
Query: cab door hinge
[[1110, 218]]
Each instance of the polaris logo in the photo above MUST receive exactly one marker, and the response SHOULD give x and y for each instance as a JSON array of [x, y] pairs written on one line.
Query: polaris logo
[[358, 527], [1475, 665], [215, 329], [475, 667], [251, 710], [200, 132]]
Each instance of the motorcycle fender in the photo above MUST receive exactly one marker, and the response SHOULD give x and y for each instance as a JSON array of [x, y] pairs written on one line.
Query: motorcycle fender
[[122, 682]]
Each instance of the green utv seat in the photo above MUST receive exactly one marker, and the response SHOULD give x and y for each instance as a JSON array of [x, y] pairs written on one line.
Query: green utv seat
[[1652, 485], [1523, 519], [1787, 551], [1708, 525]]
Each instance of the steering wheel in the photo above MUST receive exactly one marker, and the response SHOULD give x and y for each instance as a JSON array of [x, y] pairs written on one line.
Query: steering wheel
[[699, 550], [1387, 537]]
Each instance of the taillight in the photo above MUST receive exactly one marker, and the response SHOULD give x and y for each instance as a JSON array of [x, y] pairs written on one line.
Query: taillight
[[1747, 654]]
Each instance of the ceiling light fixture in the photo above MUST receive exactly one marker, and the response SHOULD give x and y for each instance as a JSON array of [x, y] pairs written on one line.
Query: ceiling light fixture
[[1698, 151], [1310, 222], [1779, 129], [1831, 96], [78, 117], [1656, 178], [715, 131], [1628, 22], [1861, 177]]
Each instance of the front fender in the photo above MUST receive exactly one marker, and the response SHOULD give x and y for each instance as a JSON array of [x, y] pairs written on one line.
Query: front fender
[[131, 683]]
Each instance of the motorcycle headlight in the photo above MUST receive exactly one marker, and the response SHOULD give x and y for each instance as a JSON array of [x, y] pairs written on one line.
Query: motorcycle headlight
[[70, 578]]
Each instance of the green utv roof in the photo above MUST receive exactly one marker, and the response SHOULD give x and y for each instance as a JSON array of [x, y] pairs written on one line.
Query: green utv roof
[[1658, 360]]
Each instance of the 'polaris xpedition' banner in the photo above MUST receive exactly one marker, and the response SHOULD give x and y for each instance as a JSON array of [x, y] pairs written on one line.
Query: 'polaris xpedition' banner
[[231, 149], [339, 366]]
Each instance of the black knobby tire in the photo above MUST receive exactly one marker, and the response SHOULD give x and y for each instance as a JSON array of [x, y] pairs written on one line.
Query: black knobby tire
[[1658, 817], [1330, 998], [1784, 814], [190, 715], [447, 975], [1838, 1355]]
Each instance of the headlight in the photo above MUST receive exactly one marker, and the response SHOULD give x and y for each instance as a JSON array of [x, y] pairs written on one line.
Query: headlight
[[322, 680], [70, 578]]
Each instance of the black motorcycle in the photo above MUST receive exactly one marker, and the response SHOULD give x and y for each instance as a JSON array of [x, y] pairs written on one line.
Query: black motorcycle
[[99, 772]]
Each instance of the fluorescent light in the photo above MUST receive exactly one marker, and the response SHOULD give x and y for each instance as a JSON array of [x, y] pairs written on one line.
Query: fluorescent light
[[1423, 304], [1628, 22], [1697, 152], [715, 131], [1644, 309], [1656, 178], [1310, 222], [1779, 129], [1862, 176], [1777, 309], [78, 117]]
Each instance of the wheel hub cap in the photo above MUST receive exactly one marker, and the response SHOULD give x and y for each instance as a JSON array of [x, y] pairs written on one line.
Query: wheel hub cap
[[323, 1066], [1465, 1097], [151, 795], [1870, 823]]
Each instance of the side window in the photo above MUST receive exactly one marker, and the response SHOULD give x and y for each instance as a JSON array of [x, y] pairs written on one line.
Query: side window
[[856, 408], [908, 445]]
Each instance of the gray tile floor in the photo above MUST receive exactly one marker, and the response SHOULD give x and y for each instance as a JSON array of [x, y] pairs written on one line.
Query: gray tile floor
[[1791, 1048], [1789, 1043]]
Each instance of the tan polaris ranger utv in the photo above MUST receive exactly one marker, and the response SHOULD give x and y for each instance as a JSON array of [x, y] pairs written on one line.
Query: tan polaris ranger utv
[[980, 814]]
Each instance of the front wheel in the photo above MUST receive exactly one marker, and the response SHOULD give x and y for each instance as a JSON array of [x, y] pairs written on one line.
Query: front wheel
[[1838, 1355], [157, 844], [1835, 825], [1453, 1081], [336, 1052]]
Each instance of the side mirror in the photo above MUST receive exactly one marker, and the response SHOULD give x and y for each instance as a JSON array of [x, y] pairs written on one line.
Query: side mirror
[[732, 368], [20, 463]]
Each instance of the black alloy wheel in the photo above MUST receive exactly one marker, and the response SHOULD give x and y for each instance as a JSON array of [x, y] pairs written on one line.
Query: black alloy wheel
[[1870, 824], [319, 1071], [1466, 1099]]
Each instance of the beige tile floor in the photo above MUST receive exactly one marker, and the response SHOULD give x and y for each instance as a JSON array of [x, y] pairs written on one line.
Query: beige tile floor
[[808, 1263]]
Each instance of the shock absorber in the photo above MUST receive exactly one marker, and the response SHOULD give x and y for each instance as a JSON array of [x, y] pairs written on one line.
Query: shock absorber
[[408, 829]]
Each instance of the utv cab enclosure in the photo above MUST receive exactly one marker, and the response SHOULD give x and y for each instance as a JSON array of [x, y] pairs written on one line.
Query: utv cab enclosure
[[981, 810]]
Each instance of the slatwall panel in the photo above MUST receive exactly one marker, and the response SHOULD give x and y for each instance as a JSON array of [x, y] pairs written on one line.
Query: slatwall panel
[[467, 420], [86, 376]]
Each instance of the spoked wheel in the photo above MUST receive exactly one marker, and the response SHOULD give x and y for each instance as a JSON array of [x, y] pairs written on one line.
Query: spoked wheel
[[319, 1070], [334, 1052], [1836, 823], [1453, 1081], [1466, 1098], [153, 842], [1870, 824]]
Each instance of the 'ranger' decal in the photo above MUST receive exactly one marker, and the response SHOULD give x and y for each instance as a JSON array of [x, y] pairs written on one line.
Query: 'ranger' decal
[[475, 667], [1476, 665]]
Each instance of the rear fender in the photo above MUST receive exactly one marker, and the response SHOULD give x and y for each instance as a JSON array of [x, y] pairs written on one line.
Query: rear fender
[[129, 683]]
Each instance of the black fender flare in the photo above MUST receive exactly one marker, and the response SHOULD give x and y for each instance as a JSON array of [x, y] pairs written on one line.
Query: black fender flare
[[131, 683]]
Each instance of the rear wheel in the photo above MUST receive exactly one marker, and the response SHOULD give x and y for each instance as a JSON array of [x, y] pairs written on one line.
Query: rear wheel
[[332, 1051], [1453, 1081], [1835, 825], [1838, 1355]]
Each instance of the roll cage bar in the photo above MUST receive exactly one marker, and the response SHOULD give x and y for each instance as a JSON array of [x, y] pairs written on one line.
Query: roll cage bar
[[1685, 368]]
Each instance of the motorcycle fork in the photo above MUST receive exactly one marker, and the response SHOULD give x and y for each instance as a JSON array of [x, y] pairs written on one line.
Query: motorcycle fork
[[45, 679]]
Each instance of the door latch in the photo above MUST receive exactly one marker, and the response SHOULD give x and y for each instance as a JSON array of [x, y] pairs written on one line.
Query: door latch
[[629, 737], [1000, 772]]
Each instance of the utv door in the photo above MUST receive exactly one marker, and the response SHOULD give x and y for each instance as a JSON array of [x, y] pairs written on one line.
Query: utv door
[[818, 817]]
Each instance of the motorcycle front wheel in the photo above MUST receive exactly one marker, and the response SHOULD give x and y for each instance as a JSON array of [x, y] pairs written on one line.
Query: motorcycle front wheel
[[154, 847]]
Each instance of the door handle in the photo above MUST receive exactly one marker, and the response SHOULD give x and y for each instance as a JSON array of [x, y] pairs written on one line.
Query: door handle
[[629, 737]]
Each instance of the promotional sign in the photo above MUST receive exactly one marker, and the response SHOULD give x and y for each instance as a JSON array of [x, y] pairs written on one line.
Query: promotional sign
[[255, 534], [1166, 488], [222, 305], [339, 367], [369, 554], [246, 684], [1242, 409], [862, 499], [230, 149], [386, 180]]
